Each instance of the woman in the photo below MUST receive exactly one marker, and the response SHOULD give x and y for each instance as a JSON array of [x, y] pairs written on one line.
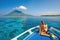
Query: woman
[[43, 29]]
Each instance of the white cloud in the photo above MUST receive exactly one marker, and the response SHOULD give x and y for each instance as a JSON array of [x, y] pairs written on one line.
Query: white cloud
[[21, 8]]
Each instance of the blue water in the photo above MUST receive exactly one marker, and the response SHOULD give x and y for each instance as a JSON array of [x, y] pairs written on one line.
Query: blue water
[[11, 27]]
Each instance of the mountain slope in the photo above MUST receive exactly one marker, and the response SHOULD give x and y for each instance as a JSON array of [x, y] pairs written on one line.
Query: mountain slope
[[17, 13]]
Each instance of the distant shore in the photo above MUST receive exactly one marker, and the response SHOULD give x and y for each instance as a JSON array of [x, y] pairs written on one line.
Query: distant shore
[[50, 15]]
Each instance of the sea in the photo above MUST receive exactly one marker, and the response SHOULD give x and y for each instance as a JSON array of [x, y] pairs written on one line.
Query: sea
[[11, 27]]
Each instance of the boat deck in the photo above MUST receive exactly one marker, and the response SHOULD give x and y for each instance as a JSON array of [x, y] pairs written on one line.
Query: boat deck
[[36, 36]]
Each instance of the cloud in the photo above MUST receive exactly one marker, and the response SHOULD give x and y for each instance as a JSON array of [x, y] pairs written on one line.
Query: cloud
[[21, 8]]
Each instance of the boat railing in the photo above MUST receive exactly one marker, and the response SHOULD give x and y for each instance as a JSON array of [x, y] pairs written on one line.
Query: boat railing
[[58, 31], [29, 30]]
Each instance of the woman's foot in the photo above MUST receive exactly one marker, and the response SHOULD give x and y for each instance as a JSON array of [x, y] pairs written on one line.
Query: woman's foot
[[44, 34]]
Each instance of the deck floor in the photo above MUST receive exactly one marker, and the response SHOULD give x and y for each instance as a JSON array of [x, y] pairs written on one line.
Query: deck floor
[[36, 36]]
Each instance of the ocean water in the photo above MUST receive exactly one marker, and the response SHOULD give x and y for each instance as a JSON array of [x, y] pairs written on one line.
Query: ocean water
[[11, 27]]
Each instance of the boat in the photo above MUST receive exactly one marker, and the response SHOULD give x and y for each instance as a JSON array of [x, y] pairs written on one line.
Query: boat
[[35, 36]]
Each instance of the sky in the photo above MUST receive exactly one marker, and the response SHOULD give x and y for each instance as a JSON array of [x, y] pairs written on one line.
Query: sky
[[31, 7]]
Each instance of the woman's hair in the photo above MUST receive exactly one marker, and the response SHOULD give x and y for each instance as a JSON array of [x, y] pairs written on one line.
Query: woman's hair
[[42, 22]]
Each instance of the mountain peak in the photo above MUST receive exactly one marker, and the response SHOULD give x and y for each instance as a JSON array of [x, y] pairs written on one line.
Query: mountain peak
[[18, 11], [15, 13]]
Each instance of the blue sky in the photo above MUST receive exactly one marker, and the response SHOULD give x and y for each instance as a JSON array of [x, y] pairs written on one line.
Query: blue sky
[[34, 7]]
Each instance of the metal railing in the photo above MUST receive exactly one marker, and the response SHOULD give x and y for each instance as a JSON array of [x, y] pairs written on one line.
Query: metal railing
[[29, 30]]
